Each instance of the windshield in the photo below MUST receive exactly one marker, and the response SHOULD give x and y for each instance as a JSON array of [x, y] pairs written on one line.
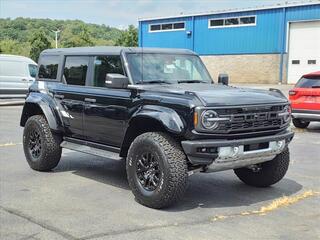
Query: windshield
[[166, 68]]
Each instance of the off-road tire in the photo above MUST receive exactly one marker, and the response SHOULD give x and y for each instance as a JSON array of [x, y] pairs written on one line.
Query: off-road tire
[[270, 173], [50, 152], [298, 123], [173, 162]]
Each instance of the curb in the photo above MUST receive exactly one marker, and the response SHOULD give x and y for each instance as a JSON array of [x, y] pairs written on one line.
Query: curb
[[12, 103]]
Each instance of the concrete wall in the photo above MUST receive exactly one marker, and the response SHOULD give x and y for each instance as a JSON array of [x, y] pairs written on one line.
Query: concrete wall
[[261, 68]]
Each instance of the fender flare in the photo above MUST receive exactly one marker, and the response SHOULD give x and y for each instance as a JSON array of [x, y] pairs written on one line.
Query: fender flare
[[48, 108], [169, 118]]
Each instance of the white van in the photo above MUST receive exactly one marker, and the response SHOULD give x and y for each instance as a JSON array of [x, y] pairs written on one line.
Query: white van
[[17, 73]]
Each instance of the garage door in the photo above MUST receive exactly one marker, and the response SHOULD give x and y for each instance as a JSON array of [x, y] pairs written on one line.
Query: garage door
[[304, 49]]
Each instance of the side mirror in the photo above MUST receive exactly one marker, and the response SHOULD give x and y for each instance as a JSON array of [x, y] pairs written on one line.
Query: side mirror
[[116, 80], [223, 79]]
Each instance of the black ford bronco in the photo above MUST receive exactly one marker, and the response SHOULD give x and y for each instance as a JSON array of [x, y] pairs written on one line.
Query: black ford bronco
[[160, 111]]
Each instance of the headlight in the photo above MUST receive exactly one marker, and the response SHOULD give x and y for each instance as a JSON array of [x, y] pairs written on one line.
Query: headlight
[[209, 119]]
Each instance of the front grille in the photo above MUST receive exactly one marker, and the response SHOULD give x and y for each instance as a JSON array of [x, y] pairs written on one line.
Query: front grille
[[250, 125], [251, 119]]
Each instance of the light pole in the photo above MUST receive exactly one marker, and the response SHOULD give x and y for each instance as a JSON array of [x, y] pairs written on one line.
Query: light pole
[[56, 32]]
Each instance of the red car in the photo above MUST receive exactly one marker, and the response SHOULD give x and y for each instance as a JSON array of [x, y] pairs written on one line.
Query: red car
[[305, 100]]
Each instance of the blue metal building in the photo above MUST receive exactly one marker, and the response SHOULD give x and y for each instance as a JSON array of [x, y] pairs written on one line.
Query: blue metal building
[[267, 40]]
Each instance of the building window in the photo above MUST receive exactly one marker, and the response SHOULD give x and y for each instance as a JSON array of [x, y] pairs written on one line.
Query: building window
[[167, 27], [247, 20], [216, 23], [295, 61], [156, 27], [312, 62], [232, 22]]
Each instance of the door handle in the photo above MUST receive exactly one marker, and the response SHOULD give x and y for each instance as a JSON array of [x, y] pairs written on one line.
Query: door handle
[[23, 79], [59, 96], [91, 100]]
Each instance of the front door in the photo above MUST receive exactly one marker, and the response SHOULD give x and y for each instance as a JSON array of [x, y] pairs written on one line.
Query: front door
[[107, 110]]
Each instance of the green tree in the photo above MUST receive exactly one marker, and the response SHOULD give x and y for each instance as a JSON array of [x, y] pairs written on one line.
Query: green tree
[[16, 34], [129, 37], [9, 46], [39, 42], [77, 37]]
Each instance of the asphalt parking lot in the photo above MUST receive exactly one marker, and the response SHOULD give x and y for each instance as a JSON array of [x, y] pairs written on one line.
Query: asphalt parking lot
[[88, 197]]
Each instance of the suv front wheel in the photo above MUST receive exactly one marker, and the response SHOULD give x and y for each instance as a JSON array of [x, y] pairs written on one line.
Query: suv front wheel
[[41, 147], [156, 170], [267, 173]]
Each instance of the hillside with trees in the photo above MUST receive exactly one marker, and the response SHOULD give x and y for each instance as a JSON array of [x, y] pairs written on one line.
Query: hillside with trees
[[28, 37]]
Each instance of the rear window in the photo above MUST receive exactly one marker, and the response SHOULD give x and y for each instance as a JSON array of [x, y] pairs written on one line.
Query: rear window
[[48, 67], [308, 82], [75, 70], [13, 68]]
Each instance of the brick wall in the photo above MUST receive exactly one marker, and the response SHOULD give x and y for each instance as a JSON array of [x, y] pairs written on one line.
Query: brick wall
[[260, 68]]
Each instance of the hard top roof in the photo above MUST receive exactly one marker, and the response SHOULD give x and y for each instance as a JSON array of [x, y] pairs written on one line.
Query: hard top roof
[[102, 50]]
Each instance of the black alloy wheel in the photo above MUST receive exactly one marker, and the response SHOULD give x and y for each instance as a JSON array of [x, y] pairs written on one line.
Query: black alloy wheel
[[41, 146], [157, 169], [148, 171], [35, 144]]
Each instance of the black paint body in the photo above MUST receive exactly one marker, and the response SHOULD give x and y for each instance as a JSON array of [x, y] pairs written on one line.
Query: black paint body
[[107, 115]]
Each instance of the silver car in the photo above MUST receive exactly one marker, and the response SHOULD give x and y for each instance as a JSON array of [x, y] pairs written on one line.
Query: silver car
[[17, 73]]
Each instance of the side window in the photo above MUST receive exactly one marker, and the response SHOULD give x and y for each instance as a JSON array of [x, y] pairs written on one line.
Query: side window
[[33, 70], [48, 67], [104, 65], [75, 70]]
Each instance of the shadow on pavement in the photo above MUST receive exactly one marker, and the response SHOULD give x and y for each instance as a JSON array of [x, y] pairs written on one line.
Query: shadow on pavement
[[215, 190]]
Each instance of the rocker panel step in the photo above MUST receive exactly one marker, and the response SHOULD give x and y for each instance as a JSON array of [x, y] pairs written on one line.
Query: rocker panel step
[[90, 150]]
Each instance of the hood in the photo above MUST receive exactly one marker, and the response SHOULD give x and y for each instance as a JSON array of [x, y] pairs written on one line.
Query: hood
[[220, 95]]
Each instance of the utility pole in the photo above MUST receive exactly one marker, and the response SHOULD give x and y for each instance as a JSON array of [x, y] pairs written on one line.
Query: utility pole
[[56, 32]]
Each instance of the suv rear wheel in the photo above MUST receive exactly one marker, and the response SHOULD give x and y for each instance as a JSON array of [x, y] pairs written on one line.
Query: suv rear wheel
[[156, 170], [298, 123], [267, 173], [41, 147]]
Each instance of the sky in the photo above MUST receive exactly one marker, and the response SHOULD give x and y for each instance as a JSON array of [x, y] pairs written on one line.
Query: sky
[[119, 13]]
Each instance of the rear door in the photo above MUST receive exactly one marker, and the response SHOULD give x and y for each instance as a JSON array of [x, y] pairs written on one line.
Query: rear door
[[307, 94], [13, 77], [106, 110], [70, 94]]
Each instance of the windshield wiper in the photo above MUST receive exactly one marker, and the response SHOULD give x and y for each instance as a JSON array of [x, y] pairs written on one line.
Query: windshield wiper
[[154, 82], [191, 81]]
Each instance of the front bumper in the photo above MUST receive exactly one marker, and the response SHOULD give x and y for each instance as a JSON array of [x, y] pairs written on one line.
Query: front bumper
[[219, 155], [307, 115]]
